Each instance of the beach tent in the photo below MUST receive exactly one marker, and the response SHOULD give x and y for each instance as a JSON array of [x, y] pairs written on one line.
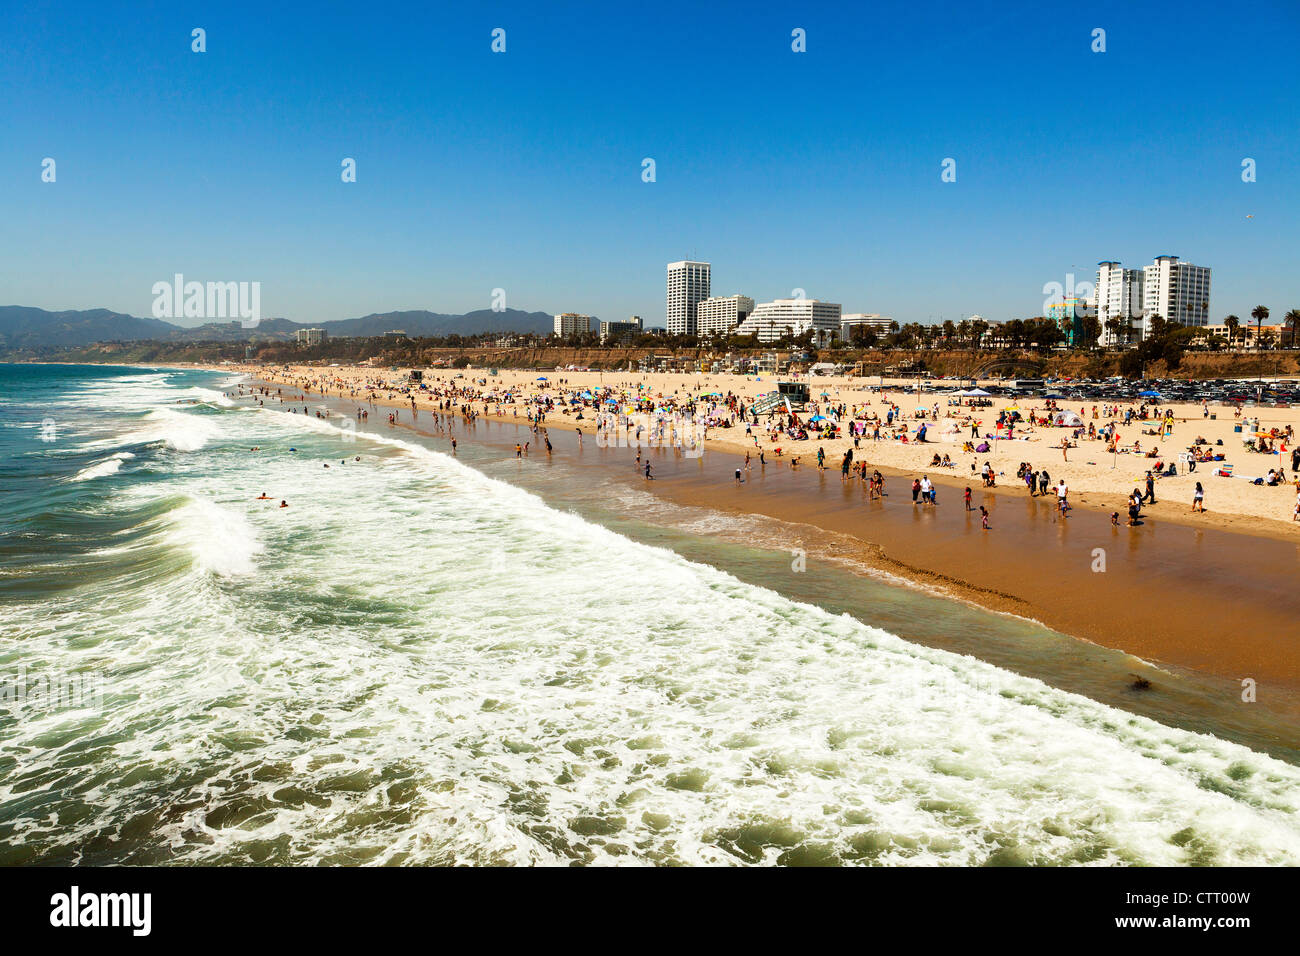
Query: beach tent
[[1149, 394], [542, 378], [1066, 419], [975, 393]]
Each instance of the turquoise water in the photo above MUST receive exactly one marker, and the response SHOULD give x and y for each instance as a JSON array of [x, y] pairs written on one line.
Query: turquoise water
[[419, 662]]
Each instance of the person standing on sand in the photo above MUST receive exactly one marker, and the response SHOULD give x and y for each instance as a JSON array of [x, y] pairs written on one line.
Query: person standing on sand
[[1198, 499], [1062, 502], [1151, 489]]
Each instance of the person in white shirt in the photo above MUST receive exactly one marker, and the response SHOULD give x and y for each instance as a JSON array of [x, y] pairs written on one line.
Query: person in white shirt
[[1061, 500]]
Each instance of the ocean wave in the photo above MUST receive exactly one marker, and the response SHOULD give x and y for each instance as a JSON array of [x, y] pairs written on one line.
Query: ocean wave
[[221, 540], [101, 469], [167, 426]]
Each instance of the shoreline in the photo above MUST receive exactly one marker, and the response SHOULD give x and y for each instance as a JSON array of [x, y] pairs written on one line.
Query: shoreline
[[1156, 601]]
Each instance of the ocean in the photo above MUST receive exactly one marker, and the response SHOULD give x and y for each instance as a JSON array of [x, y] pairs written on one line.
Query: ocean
[[428, 659]]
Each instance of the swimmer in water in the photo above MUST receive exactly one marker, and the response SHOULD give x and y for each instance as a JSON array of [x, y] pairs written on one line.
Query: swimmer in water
[[263, 497], [283, 503]]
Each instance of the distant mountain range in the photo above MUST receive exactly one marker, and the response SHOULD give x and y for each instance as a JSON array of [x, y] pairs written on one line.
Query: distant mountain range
[[26, 327]]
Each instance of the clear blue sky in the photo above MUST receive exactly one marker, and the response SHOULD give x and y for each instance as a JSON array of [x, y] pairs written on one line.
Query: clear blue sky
[[522, 170]]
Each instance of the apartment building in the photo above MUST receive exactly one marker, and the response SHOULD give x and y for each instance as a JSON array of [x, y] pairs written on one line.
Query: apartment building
[[720, 315], [1178, 291], [571, 323]]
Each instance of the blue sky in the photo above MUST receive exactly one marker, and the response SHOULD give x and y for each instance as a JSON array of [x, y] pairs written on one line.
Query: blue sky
[[522, 170]]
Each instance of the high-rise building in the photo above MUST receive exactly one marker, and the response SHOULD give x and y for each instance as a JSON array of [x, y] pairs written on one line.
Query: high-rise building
[[614, 330], [720, 314], [1118, 295], [570, 323], [688, 286], [771, 320], [1178, 291], [312, 336]]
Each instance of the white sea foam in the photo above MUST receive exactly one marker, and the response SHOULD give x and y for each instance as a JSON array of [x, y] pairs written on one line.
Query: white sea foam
[[179, 430], [101, 469], [222, 540], [434, 666]]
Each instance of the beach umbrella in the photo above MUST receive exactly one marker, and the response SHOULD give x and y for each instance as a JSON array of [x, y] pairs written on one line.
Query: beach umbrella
[[1149, 394], [542, 378], [817, 418]]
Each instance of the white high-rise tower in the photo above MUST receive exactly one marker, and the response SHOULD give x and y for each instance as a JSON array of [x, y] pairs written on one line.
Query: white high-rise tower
[[1118, 295], [1178, 291], [688, 285]]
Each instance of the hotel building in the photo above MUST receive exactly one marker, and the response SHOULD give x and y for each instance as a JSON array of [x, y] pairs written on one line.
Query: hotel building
[[874, 321], [688, 286], [772, 320]]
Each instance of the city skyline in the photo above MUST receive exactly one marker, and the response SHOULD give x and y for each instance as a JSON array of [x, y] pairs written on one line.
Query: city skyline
[[479, 171]]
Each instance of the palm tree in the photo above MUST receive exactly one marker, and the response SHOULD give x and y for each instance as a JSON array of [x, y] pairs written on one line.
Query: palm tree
[[1232, 323], [1259, 314], [1293, 321]]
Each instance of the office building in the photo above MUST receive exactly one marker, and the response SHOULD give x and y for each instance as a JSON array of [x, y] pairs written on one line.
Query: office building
[[688, 286]]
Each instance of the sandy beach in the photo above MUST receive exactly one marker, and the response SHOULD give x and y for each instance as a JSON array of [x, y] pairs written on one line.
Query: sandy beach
[[1095, 476], [1210, 592]]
